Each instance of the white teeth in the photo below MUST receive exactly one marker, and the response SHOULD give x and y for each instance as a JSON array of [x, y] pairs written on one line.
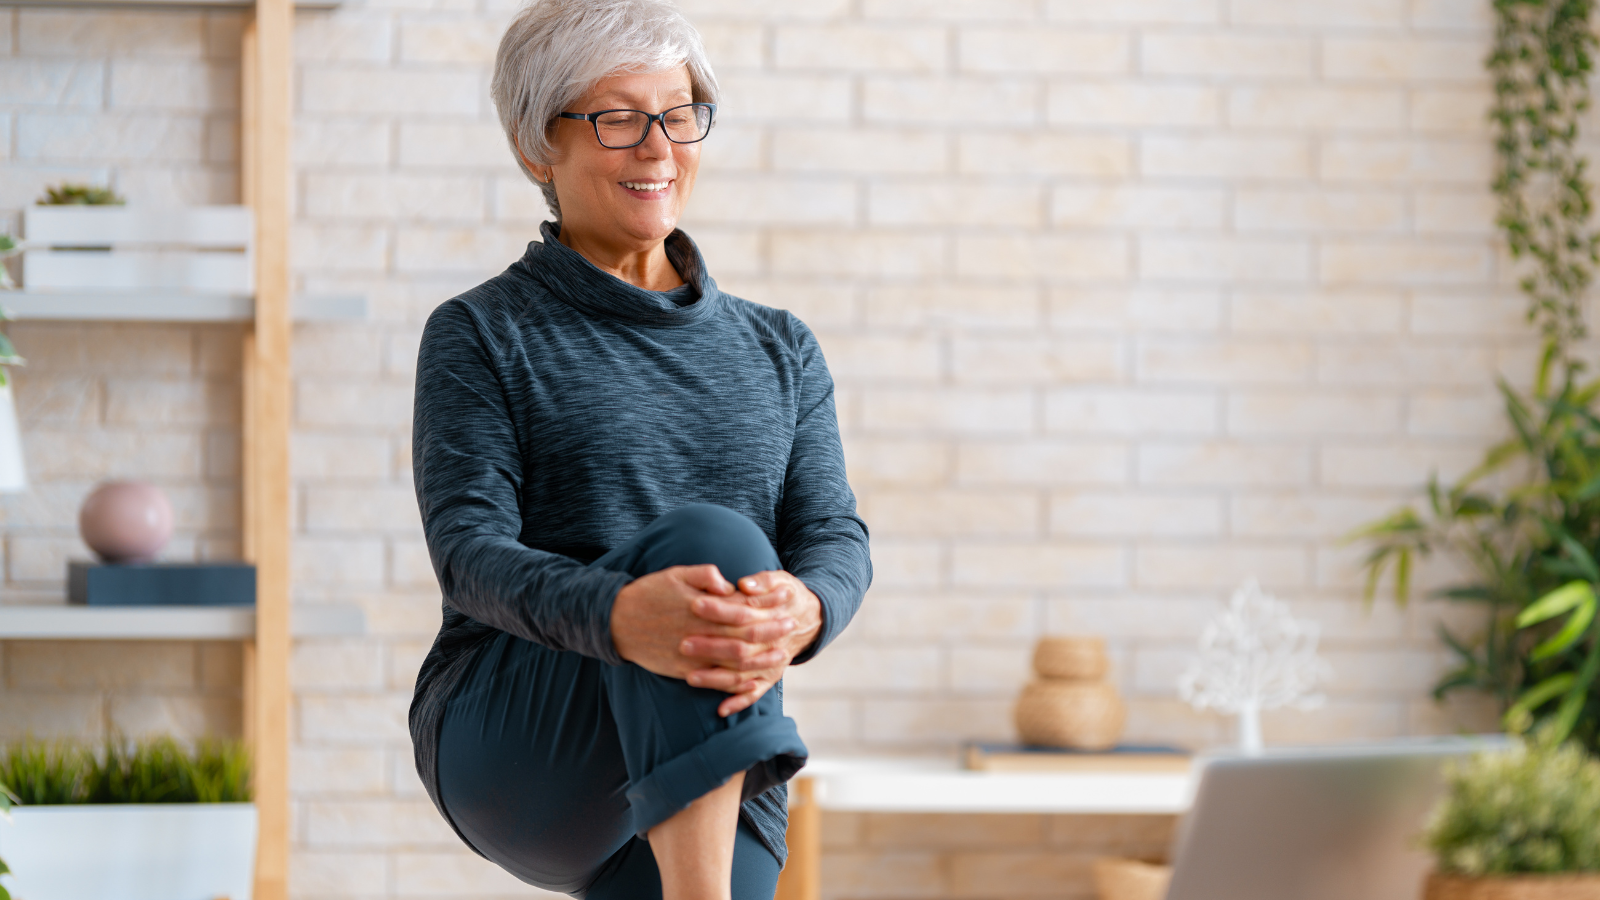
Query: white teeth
[[646, 186]]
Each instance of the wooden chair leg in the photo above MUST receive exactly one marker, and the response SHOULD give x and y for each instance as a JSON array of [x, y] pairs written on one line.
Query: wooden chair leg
[[802, 877]]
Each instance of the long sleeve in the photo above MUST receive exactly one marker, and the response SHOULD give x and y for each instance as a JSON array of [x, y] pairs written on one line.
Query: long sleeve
[[468, 467], [821, 540]]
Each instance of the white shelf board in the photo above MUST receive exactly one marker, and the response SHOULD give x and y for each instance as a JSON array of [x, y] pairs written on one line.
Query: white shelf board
[[157, 623], [140, 306], [168, 4], [922, 785]]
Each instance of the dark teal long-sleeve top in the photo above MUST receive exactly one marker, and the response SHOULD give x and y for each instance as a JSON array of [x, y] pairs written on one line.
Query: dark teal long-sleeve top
[[559, 410]]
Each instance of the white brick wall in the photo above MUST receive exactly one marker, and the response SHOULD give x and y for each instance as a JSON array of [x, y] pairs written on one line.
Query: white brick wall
[[1126, 301]]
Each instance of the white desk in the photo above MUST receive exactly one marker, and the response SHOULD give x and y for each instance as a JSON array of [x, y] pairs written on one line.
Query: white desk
[[924, 785]]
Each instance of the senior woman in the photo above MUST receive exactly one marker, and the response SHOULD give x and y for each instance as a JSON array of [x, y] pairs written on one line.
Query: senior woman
[[634, 496]]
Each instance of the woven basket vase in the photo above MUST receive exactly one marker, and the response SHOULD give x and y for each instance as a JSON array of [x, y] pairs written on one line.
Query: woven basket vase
[[1081, 715], [1130, 879], [1583, 886], [1072, 658]]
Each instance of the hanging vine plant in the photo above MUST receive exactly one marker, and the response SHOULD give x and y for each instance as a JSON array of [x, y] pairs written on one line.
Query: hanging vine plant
[[1543, 56], [1530, 535]]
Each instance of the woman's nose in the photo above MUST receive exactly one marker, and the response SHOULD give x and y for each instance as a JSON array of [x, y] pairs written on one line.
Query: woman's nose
[[655, 145]]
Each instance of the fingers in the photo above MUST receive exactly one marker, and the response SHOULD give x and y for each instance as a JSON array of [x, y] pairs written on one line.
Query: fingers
[[707, 578], [761, 582], [741, 701], [764, 632], [720, 679], [777, 597], [726, 612], [730, 653], [745, 690], [738, 621], [765, 590], [735, 620]]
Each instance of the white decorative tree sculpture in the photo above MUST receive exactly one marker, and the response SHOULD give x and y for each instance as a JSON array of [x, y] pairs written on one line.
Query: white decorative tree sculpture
[[1254, 656]]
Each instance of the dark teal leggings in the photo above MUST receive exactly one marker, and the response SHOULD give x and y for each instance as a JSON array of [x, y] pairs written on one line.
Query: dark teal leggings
[[555, 765]]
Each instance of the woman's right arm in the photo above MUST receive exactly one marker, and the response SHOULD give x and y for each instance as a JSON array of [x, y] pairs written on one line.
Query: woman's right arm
[[467, 467]]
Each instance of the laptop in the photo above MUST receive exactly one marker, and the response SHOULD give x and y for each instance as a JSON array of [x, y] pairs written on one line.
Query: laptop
[[1332, 823]]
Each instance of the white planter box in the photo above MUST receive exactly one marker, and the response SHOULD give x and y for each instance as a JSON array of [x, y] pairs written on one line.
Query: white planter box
[[132, 270], [198, 249], [169, 851]]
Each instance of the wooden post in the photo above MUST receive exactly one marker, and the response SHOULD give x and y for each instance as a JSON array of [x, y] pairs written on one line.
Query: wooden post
[[802, 877], [267, 61]]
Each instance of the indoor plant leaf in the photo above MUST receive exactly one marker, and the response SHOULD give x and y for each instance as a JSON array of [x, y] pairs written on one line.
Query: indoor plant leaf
[[1537, 696], [1474, 592], [1563, 599], [1576, 625], [1580, 556]]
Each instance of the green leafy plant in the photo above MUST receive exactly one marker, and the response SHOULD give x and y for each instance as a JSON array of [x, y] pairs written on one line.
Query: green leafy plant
[[8, 247], [1527, 520], [1533, 809], [159, 770], [1572, 667], [8, 352], [79, 195], [1522, 538]]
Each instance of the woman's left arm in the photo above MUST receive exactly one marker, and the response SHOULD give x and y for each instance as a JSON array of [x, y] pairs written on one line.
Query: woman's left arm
[[822, 543]]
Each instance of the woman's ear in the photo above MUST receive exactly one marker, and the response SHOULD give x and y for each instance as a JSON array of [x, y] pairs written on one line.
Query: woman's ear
[[542, 173]]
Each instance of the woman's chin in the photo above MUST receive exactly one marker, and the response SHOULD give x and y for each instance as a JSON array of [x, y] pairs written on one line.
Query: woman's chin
[[637, 227], [649, 229]]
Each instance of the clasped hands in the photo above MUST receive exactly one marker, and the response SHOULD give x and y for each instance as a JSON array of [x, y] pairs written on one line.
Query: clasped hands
[[689, 622]]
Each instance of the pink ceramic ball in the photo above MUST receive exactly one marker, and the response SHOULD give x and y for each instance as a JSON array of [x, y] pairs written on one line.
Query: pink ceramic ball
[[126, 521]]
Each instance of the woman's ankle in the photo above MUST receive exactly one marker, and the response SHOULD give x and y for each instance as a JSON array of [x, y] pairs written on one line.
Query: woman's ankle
[[694, 848]]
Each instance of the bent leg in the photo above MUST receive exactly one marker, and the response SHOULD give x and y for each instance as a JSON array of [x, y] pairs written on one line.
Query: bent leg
[[676, 746], [632, 873], [531, 768], [555, 765]]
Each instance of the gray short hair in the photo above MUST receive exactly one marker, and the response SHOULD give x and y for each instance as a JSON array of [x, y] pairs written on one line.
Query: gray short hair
[[555, 50]]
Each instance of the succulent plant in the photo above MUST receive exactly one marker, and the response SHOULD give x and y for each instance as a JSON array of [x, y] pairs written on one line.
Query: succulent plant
[[80, 195]]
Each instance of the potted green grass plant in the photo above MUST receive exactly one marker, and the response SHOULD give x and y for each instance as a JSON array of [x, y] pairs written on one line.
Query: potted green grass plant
[[1519, 824], [128, 820]]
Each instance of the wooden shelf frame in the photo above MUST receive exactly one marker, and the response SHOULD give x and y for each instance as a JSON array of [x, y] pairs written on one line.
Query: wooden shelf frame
[[266, 69], [267, 118]]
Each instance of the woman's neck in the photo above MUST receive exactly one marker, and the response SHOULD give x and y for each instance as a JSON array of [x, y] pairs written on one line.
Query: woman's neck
[[641, 266]]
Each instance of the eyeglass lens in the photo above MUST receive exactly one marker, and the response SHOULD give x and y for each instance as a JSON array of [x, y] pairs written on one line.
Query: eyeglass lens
[[619, 128]]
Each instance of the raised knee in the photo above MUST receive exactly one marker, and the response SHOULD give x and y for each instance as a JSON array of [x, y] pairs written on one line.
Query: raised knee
[[700, 533], [711, 520]]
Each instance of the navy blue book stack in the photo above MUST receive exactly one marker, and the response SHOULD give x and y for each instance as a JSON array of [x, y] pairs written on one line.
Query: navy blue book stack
[[161, 584], [1126, 758]]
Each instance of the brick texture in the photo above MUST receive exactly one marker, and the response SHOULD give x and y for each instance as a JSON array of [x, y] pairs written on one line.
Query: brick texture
[[1126, 302]]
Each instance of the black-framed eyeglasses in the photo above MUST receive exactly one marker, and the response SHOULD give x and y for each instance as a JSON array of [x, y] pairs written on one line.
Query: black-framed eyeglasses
[[619, 129]]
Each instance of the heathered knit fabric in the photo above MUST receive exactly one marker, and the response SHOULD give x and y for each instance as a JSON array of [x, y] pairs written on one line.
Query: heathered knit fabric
[[559, 410]]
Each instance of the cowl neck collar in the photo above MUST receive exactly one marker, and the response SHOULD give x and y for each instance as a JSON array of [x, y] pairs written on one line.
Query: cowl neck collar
[[584, 286]]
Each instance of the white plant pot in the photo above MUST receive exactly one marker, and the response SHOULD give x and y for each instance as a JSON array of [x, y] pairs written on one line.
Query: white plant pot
[[130, 851], [13, 476]]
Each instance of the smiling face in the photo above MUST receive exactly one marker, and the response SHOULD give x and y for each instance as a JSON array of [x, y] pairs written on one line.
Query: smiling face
[[624, 198]]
